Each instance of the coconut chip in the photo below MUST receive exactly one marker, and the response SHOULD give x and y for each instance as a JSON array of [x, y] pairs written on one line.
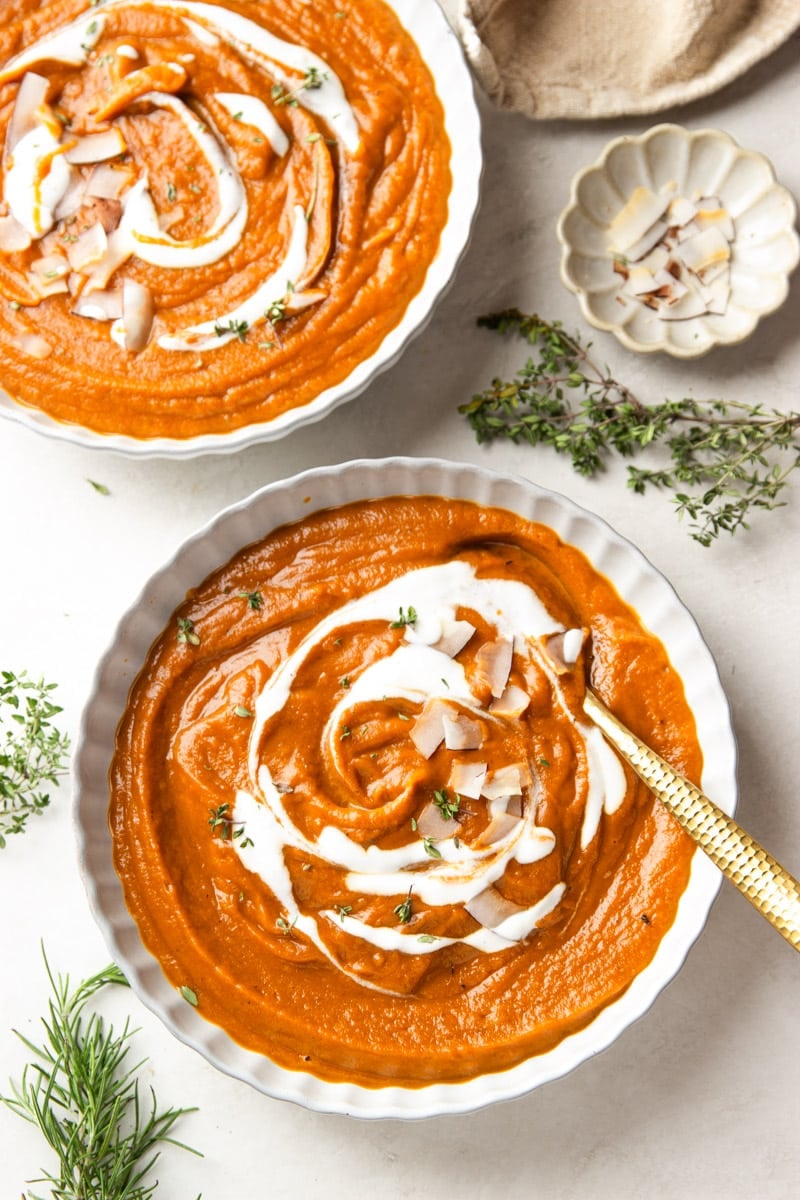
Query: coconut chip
[[670, 265]]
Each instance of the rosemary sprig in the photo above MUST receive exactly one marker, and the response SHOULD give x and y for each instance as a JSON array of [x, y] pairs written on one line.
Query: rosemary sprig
[[83, 1095], [32, 751], [726, 458]]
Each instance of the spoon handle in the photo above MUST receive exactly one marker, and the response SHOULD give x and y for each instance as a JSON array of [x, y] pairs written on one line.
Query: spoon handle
[[765, 883]]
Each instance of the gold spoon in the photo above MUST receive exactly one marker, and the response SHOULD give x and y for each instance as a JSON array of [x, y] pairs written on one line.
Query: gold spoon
[[765, 883]]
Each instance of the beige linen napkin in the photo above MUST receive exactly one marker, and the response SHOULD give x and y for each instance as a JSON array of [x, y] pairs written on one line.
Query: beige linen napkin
[[608, 58]]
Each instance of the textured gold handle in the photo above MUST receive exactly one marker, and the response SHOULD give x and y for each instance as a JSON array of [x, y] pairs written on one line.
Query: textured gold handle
[[764, 882]]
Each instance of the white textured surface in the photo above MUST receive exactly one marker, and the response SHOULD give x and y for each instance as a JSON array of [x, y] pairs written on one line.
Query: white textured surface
[[699, 1099]]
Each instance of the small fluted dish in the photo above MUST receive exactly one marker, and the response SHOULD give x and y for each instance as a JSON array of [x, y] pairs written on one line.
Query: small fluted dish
[[763, 252]]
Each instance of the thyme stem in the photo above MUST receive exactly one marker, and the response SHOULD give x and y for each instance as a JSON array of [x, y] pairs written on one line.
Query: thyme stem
[[722, 456]]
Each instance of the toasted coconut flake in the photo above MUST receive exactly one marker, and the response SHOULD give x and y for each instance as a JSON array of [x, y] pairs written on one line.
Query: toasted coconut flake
[[502, 824], [73, 197], [431, 823], [89, 248], [462, 733], [31, 97], [706, 249], [427, 732], [493, 662], [514, 806], [640, 282], [506, 781], [96, 147], [512, 703], [108, 181], [717, 293], [50, 266], [648, 241], [138, 311], [638, 216], [691, 304], [33, 345], [681, 211], [13, 236], [455, 635], [100, 306], [490, 909], [467, 778], [45, 288]]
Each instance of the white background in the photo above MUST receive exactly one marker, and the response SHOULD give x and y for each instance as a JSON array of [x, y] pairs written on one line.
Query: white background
[[700, 1099]]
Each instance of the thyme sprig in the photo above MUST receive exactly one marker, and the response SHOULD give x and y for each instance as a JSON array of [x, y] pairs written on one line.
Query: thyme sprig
[[726, 458], [83, 1095], [33, 753]]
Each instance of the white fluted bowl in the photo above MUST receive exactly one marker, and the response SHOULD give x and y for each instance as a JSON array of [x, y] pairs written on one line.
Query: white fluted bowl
[[442, 53], [636, 581], [707, 162]]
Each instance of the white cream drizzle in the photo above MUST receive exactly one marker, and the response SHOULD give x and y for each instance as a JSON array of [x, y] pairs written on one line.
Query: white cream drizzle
[[254, 112], [72, 44], [36, 179], [262, 48], [416, 671], [253, 311]]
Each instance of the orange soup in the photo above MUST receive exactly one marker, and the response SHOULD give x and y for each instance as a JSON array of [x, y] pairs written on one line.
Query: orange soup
[[357, 808], [210, 214]]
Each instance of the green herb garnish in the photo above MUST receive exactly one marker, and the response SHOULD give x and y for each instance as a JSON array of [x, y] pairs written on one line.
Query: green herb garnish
[[187, 632], [430, 847], [33, 753], [723, 457], [448, 808], [405, 618], [83, 1095], [254, 599], [403, 910], [239, 328]]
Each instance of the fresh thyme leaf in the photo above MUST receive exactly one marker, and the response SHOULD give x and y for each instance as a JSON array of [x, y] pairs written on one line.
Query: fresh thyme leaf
[[240, 328], [222, 824], [343, 910], [430, 847], [405, 618], [403, 910], [187, 632], [241, 711], [276, 312], [427, 937], [254, 599], [725, 459], [286, 926], [99, 487], [448, 808], [82, 1093], [346, 732], [190, 996], [345, 682], [33, 752]]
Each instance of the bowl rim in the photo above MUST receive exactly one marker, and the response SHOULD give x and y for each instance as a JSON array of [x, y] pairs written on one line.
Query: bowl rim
[[665, 345], [441, 50], [209, 547]]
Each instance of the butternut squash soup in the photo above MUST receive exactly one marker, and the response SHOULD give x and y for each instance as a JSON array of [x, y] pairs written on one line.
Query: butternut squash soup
[[210, 213], [359, 815]]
